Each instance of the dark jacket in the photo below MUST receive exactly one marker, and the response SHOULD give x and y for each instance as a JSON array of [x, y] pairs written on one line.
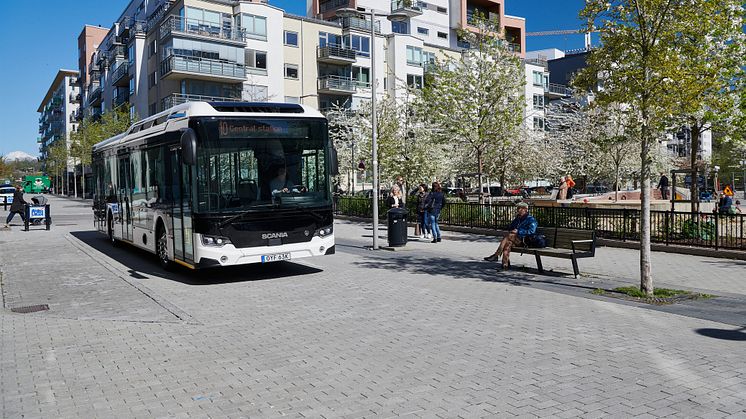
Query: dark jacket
[[434, 201], [421, 198], [18, 201], [390, 202], [526, 226], [663, 182]]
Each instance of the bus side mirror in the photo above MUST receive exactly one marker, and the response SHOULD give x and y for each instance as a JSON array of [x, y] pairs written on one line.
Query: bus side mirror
[[334, 167], [189, 147]]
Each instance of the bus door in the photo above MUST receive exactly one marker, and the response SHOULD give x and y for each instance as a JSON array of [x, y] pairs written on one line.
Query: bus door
[[125, 197], [182, 212]]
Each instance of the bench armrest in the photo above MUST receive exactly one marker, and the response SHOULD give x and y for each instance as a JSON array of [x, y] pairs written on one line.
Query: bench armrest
[[574, 242]]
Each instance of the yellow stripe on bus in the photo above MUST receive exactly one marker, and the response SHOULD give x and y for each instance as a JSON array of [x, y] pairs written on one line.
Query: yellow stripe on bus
[[184, 264]]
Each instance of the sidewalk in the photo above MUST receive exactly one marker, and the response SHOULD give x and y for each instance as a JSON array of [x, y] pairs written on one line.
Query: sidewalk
[[618, 265]]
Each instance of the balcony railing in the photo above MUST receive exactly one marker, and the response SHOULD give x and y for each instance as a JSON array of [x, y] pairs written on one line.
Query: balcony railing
[[338, 84], [358, 23], [120, 72], [179, 98], [117, 51], [94, 94], [409, 8], [558, 89], [335, 53], [121, 98], [178, 63], [200, 28], [74, 97]]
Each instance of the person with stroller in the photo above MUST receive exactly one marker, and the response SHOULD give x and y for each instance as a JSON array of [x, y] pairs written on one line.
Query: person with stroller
[[17, 207]]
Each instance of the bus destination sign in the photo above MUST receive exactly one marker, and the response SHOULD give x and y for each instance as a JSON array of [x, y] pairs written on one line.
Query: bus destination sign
[[257, 129]]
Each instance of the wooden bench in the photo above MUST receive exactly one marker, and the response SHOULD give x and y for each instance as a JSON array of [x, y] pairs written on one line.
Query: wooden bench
[[564, 243]]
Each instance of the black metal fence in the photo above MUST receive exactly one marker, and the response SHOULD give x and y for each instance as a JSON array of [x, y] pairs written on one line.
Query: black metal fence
[[718, 231]]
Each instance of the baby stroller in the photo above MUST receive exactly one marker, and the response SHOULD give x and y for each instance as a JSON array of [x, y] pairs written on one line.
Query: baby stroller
[[39, 200]]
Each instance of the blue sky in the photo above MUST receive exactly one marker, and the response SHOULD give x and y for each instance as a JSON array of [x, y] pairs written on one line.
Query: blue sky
[[33, 50]]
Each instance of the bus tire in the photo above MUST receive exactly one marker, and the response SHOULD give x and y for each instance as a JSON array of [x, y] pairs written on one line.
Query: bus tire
[[161, 247], [110, 230]]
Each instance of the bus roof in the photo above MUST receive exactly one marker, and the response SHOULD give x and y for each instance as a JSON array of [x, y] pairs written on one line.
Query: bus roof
[[165, 119]]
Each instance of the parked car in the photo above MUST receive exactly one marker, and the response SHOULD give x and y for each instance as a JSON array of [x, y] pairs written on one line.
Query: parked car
[[596, 189]]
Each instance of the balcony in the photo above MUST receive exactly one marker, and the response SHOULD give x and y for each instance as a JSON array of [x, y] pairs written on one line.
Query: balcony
[[408, 8], [335, 54], [179, 98], [175, 66], [337, 85], [120, 76], [358, 23], [74, 97], [557, 91], [202, 30], [122, 98], [94, 94], [117, 51]]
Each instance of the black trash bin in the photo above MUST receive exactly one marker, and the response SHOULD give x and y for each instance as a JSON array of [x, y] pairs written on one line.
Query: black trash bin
[[397, 227]]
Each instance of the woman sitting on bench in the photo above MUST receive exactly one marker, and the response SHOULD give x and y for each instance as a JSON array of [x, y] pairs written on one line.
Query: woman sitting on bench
[[523, 225]]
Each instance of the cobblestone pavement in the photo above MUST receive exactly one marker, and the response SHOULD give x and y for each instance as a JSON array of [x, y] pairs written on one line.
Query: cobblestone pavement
[[423, 332]]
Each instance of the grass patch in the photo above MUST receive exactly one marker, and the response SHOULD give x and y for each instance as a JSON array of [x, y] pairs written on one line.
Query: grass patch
[[661, 296], [657, 292]]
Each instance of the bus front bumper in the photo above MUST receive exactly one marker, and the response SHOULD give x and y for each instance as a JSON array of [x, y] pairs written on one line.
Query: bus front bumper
[[229, 255]]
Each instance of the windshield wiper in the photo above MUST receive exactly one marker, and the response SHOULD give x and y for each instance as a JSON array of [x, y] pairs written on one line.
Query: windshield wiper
[[241, 214]]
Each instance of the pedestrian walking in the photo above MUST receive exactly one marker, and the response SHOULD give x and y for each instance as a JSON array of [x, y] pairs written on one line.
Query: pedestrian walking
[[663, 186], [422, 194], [570, 186], [17, 206], [433, 204], [523, 225]]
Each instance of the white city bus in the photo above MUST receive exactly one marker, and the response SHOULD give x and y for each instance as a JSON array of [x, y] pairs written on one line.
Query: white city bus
[[218, 184]]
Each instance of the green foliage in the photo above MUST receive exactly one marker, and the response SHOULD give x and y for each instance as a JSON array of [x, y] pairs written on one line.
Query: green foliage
[[476, 102], [659, 292]]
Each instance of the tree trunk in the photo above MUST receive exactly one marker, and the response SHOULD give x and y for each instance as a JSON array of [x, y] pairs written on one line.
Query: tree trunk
[[480, 165], [616, 184], [82, 180], [694, 162], [646, 280]]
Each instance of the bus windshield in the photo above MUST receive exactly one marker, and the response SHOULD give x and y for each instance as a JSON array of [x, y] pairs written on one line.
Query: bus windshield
[[248, 164]]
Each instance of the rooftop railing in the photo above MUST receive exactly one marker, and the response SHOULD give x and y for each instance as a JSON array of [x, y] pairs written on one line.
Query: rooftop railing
[[179, 98]]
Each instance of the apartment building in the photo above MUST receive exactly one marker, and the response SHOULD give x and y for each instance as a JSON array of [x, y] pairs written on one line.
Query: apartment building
[[89, 40], [58, 112], [163, 52]]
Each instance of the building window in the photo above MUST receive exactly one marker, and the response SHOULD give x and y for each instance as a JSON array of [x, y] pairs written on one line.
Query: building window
[[442, 35], [152, 109], [326, 38], [414, 56], [442, 10], [291, 38], [423, 31], [255, 26], [291, 71], [360, 44], [428, 59], [132, 113], [414, 81], [256, 61], [152, 79], [152, 49], [132, 86], [361, 75], [539, 79], [538, 101], [131, 54], [400, 27], [539, 123], [256, 93]]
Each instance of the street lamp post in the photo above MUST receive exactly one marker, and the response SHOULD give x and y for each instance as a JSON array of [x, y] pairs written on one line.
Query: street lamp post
[[347, 12]]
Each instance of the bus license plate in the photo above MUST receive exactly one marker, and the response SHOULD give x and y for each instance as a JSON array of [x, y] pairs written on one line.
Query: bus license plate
[[276, 257]]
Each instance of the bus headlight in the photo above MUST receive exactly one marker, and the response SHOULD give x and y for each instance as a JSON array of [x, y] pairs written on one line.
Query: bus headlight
[[324, 231], [214, 241]]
